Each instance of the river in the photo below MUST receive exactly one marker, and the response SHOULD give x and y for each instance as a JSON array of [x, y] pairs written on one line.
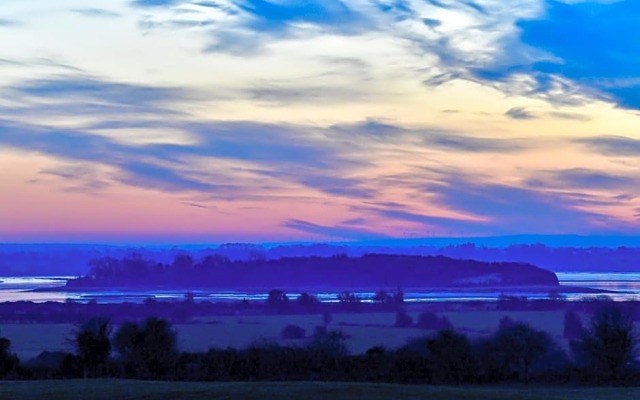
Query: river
[[626, 286]]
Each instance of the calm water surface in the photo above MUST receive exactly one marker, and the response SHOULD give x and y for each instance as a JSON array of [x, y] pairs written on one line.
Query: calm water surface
[[626, 286]]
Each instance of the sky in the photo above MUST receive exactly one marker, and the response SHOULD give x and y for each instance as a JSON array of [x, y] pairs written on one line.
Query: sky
[[223, 120]]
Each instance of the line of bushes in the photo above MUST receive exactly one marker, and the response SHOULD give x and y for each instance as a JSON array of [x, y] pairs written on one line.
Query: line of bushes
[[603, 353]]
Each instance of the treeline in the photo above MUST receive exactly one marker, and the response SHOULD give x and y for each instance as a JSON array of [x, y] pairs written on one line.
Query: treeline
[[192, 310], [558, 259], [340, 271], [604, 353]]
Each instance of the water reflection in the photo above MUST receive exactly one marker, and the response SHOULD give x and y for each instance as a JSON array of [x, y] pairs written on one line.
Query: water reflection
[[627, 286]]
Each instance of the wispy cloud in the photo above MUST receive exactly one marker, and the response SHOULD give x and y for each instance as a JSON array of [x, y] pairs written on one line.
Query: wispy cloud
[[279, 95], [583, 178], [165, 166], [88, 88], [448, 201], [78, 177], [339, 232], [10, 23], [461, 143], [96, 12], [433, 223], [39, 63], [244, 28], [290, 154], [76, 95], [570, 116], [519, 113], [335, 15], [383, 114], [504, 207], [156, 3], [552, 54], [612, 145]]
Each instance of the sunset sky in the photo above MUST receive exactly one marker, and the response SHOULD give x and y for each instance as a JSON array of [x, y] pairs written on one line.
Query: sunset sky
[[217, 121]]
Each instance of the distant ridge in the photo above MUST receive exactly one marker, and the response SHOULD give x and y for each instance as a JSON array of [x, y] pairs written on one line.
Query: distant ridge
[[509, 240], [555, 252], [487, 241]]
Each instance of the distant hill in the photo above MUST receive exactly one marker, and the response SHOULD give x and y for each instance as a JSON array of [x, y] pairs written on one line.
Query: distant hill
[[578, 241], [571, 253], [371, 271]]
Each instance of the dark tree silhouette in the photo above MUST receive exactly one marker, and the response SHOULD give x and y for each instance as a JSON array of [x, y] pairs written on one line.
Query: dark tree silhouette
[[505, 323], [183, 263], [429, 320], [607, 349], [148, 350], [331, 343], [307, 301], [326, 318], [450, 357], [366, 271], [348, 298], [382, 297], [572, 325], [293, 332], [93, 346], [513, 351], [8, 361], [398, 297], [277, 298], [403, 320]]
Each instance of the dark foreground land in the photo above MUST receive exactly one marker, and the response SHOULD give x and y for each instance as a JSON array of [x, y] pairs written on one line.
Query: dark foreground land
[[134, 390]]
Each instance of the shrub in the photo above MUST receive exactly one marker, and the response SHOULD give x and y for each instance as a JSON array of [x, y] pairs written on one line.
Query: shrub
[[572, 325], [607, 349], [293, 332], [428, 320], [520, 352], [403, 320], [9, 363]]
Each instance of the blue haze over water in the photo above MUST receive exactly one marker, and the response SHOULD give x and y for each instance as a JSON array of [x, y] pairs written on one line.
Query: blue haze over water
[[625, 285]]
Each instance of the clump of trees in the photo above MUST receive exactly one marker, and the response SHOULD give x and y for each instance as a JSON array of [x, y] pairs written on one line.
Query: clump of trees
[[147, 350], [369, 270], [389, 299], [403, 320], [293, 332], [517, 352], [9, 363], [429, 320], [572, 325], [451, 358], [93, 346], [608, 349]]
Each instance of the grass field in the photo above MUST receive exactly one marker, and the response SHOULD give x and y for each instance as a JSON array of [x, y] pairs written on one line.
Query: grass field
[[365, 330], [133, 390]]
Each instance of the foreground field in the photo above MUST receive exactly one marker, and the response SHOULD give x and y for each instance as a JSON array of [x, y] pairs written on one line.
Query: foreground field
[[365, 330], [133, 390]]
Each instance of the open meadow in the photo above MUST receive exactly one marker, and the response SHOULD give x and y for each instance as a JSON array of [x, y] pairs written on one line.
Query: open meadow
[[134, 390], [364, 330]]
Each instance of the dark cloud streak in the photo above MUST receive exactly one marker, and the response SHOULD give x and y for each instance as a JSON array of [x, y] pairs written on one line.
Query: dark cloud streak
[[583, 178], [10, 23], [96, 12], [336, 232], [519, 113], [289, 153], [612, 145]]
